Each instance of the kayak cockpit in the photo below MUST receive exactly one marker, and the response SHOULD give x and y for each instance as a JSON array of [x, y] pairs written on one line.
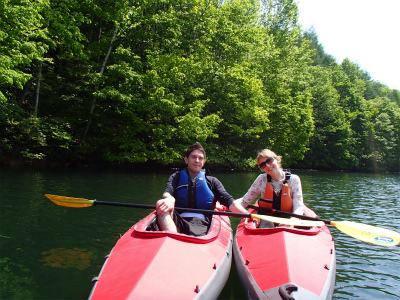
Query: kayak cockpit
[[142, 229]]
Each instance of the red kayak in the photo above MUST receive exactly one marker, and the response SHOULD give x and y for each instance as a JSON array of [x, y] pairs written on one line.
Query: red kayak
[[164, 265], [285, 263]]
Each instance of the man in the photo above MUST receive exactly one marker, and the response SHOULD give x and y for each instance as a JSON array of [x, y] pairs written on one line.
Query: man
[[192, 188]]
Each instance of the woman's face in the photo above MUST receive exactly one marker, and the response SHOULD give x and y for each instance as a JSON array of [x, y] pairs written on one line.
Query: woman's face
[[268, 164]]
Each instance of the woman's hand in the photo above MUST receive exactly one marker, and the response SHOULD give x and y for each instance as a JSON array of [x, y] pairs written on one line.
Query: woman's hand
[[256, 221]]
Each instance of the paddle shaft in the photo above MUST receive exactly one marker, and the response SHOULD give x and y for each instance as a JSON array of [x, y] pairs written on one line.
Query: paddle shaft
[[181, 209], [287, 214], [81, 202], [366, 233]]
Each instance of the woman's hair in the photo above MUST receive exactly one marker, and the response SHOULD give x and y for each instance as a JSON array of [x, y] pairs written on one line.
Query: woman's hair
[[266, 153], [195, 146]]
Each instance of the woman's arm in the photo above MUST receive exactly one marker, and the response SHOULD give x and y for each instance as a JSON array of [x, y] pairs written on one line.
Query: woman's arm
[[236, 206], [257, 188], [297, 195]]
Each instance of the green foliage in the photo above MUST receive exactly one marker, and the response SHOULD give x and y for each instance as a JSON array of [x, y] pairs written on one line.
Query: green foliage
[[332, 129], [285, 80], [33, 138], [22, 32], [138, 81], [350, 125], [320, 58], [383, 140]]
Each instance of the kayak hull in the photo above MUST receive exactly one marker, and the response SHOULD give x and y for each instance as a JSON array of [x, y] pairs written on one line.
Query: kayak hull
[[164, 265], [284, 263]]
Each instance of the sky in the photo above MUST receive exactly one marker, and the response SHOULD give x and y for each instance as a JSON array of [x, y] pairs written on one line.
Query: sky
[[365, 31]]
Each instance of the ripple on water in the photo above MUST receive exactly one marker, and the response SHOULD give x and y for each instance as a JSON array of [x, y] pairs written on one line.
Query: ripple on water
[[364, 271]]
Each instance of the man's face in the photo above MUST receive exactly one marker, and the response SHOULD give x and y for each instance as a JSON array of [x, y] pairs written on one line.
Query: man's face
[[195, 161]]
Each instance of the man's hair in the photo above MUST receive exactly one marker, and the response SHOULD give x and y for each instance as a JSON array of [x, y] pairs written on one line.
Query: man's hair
[[195, 146]]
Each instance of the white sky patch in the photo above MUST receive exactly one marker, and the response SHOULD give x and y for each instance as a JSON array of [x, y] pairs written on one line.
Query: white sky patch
[[365, 31]]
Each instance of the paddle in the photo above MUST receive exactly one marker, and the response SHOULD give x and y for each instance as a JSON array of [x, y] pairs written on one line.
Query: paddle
[[366, 233], [81, 202]]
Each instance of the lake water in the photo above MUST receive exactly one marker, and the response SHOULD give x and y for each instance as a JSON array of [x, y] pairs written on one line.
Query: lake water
[[52, 252]]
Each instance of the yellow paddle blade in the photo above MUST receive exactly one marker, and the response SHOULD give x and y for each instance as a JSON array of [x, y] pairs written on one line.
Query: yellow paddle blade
[[368, 233], [294, 222], [69, 201]]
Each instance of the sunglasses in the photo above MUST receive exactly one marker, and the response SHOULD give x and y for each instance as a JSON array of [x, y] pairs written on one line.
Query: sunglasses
[[267, 162]]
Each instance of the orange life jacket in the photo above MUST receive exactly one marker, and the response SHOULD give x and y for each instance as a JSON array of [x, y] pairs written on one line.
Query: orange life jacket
[[281, 200]]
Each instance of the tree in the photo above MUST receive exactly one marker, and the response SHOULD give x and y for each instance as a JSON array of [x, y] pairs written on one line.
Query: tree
[[346, 80], [330, 143], [232, 80], [384, 142], [22, 30], [284, 79], [320, 58]]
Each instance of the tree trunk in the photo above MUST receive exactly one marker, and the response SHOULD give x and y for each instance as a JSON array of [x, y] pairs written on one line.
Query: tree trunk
[[103, 66], [38, 90]]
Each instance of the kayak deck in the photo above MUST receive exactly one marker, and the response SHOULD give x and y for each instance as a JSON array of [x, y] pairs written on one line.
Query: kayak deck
[[164, 265], [273, 262]]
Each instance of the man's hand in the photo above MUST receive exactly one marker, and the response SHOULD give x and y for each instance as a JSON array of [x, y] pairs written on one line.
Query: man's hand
[[165, 205]]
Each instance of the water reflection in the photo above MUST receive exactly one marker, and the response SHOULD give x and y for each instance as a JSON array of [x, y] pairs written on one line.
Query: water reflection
[[16, 280], [67, 258]]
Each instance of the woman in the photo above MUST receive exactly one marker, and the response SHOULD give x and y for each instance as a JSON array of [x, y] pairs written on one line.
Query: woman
[[279, 190]]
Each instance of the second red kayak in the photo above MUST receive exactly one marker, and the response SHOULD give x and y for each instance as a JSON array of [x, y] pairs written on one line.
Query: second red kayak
[[283, 263]]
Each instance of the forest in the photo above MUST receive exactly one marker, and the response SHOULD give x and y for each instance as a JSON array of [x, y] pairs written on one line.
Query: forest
[[133, 83]]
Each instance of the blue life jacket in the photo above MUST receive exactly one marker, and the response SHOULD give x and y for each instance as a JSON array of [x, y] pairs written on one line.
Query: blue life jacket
[[193, 193]]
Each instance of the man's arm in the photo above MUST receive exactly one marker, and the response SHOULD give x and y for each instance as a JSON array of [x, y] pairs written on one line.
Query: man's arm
[[225, 198]]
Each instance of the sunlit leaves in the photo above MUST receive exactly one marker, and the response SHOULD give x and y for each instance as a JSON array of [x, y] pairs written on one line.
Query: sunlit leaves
[[22, 30], [193, 126], [137, 81], [332, 130]]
